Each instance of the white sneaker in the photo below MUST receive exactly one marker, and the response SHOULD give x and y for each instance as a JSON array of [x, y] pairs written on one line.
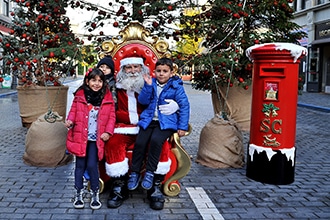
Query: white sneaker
[[95, 200], [79, 200]]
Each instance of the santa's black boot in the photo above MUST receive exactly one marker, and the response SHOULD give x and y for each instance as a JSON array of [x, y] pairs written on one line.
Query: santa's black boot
[[155, 195], [118, 193]]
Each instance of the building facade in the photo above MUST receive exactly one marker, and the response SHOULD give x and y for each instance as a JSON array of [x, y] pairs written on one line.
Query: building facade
[[5, 8], [314, 17], [5, 20]]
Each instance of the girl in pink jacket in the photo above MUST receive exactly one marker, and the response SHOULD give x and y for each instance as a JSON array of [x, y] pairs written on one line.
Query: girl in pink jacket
[[90, 122]]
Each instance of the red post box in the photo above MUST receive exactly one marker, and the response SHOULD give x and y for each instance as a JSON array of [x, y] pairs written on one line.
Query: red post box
[[271, 149]]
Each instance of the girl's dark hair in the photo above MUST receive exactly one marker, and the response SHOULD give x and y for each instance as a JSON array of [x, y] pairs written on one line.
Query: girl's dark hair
[[95, 98], [165, 61]]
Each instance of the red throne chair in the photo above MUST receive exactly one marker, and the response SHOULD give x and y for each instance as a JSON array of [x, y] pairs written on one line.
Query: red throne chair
[[135, 41]]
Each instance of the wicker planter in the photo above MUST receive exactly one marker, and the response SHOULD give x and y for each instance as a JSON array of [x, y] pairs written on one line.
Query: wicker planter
[[35, 101]]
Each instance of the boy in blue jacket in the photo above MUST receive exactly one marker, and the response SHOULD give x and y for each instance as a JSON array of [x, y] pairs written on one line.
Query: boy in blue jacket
[[155, 127]]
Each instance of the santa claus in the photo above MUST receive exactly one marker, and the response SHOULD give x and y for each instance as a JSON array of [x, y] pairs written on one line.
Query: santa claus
[[129, 82]]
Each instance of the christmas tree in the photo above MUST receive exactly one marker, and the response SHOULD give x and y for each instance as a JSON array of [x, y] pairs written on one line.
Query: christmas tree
[[40, 48], [227, 29]]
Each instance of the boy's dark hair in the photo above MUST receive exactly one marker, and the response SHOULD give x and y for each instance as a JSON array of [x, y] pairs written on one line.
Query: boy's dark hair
[[165, 61]]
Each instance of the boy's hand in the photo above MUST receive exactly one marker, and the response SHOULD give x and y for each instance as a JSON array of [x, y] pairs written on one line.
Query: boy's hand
[[147, 78], [181, 133]]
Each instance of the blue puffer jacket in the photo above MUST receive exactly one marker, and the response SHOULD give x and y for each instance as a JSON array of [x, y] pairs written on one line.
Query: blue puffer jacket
[[172, 90]]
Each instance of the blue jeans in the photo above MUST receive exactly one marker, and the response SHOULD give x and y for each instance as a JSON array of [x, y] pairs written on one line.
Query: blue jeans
[[89, 163]]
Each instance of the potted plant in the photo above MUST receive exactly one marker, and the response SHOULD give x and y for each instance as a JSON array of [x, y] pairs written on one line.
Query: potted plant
[[228, 28], [40, 51]]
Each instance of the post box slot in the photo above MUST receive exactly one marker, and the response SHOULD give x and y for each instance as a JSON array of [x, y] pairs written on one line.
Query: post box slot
[[272, 71]]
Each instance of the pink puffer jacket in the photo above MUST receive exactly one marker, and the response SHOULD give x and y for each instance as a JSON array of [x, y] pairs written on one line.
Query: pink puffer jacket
[[77, 136]]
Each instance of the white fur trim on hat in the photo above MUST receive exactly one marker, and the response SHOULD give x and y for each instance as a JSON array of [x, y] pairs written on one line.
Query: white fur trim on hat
[[131, 60]]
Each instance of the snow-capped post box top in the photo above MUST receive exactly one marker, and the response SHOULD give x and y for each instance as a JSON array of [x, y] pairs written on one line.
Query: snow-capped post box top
[[296, 51]]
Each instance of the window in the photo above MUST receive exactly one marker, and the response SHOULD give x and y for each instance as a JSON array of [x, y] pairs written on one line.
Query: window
[[5, 7], [303, 4], [295, 6], [299, 5]]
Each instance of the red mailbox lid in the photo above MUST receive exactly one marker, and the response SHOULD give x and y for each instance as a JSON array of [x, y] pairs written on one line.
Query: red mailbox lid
[[293, 50]]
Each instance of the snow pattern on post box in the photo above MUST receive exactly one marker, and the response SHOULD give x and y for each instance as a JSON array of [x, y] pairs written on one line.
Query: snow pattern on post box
[[295, 50]]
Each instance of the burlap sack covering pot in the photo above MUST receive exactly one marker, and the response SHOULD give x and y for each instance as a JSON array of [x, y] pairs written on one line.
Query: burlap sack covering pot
[[221, 144], [45, 143], [238, 104]]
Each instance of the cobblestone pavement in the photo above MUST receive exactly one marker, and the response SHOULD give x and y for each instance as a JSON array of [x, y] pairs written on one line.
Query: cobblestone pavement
[[45, 193]]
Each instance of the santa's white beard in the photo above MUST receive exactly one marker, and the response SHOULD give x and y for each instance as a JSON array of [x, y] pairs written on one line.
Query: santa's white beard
[[133, 82]]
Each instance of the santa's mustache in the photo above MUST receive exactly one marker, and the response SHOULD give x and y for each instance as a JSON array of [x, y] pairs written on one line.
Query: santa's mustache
[[133, 74]]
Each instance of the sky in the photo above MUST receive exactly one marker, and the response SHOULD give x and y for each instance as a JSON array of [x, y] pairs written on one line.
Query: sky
[[78, 19]]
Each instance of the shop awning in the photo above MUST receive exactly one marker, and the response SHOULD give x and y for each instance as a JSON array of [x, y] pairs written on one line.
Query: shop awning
[[321, 41], [4, 30]]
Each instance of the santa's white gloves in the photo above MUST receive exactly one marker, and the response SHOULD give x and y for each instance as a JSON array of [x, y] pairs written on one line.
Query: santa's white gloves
[[169, 108]]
